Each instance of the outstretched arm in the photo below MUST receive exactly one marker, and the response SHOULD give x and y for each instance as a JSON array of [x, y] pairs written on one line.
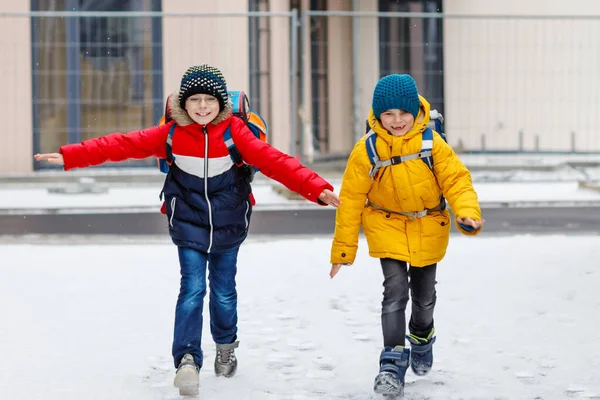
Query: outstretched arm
[[281, 167], [114, 147]]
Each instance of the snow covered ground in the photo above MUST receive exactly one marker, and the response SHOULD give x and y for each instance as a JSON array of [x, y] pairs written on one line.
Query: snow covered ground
[[147, 196], [517, 318]]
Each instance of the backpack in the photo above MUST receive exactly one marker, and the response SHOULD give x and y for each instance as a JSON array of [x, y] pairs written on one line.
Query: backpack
[[241, 109], [436, 122]]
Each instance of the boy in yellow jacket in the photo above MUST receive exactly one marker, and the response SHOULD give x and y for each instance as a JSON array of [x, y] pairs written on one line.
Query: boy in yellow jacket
[[399, 199]]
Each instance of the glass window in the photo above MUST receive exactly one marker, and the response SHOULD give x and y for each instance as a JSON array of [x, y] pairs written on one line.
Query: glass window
[[95, 75], [414, 46]]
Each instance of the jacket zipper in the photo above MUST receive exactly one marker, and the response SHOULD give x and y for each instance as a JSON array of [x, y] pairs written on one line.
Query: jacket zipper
[[173, 202], [210, 216], [246, 214]]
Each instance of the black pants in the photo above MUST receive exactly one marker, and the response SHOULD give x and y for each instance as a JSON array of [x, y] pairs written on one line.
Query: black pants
[[395, 298]]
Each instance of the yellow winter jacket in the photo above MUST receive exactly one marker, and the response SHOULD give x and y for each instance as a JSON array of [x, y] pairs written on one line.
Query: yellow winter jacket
[[407, 187]]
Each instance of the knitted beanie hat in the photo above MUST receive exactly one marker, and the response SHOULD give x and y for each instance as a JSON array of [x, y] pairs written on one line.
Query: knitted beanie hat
[[396, 92], [203, 79]]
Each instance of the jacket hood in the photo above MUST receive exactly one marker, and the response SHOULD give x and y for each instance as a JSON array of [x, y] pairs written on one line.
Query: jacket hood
[[182, 118], [421, 123]]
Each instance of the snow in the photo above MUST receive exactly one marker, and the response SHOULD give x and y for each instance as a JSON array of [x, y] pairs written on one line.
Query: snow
[[516, 319], [145, 197], [119, 197], [558, 174], [524, 160], [533, 191]]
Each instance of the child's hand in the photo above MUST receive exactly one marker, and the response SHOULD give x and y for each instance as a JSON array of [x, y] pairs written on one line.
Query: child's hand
[[52, 158], [335, 268], [475, 224], [330, 198]]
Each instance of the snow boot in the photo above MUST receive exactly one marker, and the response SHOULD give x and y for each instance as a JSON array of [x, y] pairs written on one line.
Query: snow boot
[[187, 376], [393, 364], [225, 360], [421, 352]]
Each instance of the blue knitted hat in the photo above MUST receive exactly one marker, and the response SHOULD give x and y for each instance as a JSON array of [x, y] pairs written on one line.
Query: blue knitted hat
[[396, 92], [203, 79]]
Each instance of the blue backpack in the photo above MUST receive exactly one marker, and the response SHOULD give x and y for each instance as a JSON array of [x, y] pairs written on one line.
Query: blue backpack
[[436, 122], [240, 108]]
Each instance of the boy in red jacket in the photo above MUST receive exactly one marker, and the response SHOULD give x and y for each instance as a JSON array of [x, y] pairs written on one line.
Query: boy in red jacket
[[208, 205]]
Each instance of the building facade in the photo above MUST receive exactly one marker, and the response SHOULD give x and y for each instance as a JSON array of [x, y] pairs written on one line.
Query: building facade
[[508, 75]]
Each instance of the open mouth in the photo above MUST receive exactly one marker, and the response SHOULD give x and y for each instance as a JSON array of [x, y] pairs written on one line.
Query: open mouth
[[398, 128], [203, 114]]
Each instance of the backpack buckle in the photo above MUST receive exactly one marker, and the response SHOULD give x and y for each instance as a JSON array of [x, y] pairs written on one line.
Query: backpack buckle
[[396, 160], [373, 171], [420, 214]]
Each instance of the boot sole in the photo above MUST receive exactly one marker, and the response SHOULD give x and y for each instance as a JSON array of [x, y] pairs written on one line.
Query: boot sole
[[388, 385], [420, 369], [189, 390], [229, 375], [224, 375], [420, 372], [188, 383]]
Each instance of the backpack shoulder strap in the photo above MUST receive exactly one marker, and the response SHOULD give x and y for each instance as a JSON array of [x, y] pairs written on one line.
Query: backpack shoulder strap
[[425, 154], [427, 147], [169, 145], [234, 153], [371, 143], [436, 121], [439, 128]]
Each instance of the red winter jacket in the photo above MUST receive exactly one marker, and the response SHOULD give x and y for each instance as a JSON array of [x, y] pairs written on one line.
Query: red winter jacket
[[208, 202], [189, 141]]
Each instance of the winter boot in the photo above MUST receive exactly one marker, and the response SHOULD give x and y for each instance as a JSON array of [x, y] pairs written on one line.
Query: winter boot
[[225, 360], [186, 377], [393, 364], [421, 352]]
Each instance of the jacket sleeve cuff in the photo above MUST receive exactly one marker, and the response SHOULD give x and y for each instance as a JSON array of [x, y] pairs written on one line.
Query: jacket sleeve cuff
[[70, 156], [325, 186], [342, 256]]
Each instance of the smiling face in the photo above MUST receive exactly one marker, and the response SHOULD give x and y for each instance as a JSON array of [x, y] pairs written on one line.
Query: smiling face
[[397, 122], [202, 108]]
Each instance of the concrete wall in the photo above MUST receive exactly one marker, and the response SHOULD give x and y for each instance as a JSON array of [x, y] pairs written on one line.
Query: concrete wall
[[197, 40], [16, 138], [535, 76], [280, 119]]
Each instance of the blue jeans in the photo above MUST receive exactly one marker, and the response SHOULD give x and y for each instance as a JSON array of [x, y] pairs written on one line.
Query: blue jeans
[[222, 268]]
